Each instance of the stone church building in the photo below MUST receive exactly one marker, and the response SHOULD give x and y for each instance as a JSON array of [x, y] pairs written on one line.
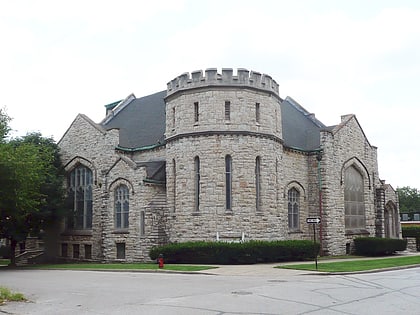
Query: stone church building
[[218, 157]]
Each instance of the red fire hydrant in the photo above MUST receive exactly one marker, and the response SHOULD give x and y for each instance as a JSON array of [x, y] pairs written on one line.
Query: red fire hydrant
[[160, 261]]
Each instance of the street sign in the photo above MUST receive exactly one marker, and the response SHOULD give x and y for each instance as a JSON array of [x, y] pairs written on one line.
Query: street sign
[[313, 220]]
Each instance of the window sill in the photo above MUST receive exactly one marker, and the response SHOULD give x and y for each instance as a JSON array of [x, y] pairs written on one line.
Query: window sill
[[295, 232], [228, 212], [121, 231], [78, 232], [357, 232], [196, 213]]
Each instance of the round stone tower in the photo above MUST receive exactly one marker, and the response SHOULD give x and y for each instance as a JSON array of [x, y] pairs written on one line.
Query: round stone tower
[[223, 146]]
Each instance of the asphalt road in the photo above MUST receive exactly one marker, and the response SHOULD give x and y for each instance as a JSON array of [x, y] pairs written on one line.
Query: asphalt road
[[286, 292]]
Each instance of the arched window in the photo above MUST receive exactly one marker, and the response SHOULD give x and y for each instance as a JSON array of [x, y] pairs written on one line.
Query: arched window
[[122, 206], [257, 112], [174, 182], [293, 197], [228, 175], [227, 110], [80, 182], [258, 183], [196, 112], [197, 183], [391, 220], [354, 202]]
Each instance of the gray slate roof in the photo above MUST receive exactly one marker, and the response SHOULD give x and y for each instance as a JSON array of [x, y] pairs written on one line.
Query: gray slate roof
[[142, 123], [301, 130]]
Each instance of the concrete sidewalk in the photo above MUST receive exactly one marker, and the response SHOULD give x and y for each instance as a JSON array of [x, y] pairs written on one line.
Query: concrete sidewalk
[[270, 270]]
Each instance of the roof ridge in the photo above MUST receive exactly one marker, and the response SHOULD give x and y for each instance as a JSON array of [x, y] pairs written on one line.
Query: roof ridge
[[115, 109], [306, 113]]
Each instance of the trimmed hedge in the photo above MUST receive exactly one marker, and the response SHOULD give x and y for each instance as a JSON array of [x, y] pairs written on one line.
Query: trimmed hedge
[[5, 251], [250, 252], [376, 246], [412, 231]]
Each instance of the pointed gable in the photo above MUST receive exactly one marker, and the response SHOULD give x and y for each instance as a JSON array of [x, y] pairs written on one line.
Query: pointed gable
[[350, 121]]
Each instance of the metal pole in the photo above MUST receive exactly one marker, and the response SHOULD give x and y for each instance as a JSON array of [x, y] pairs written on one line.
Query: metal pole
[[316, 254]]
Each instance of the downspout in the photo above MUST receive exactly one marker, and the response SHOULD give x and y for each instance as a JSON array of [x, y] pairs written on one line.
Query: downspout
[[319, 158]]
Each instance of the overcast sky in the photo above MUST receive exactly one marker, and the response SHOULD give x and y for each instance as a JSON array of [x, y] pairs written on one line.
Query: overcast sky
[[61, 58]]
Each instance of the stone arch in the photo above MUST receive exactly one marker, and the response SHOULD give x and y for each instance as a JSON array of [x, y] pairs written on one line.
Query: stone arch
[[391, 226], [295, 184], [356, 163], [295, 203], [121, 181], [79, 160]]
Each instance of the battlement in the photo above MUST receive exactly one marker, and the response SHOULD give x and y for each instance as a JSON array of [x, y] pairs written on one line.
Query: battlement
[[211, 78]]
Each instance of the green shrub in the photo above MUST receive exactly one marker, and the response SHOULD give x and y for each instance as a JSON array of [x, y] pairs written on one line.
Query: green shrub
[[5, 252], [412, 231], [249, 252], [375, 246]]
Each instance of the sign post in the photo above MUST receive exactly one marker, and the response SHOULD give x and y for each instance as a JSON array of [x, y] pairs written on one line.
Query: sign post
[[314, 221]]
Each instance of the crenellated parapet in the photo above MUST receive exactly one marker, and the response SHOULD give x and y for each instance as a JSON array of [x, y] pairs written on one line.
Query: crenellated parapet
[[211, 77]]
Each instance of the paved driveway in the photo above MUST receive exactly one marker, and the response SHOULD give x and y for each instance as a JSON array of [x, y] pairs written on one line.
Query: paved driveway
[[278, 292]]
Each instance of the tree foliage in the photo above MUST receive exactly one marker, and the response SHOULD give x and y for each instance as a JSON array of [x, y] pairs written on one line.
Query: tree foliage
[[409, 199], [4, 124], [31, 187]]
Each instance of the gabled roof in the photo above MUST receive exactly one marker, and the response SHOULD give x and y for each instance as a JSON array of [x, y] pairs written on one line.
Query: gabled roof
[[301, 130], [141, 121], [88, 120], [344, 121]]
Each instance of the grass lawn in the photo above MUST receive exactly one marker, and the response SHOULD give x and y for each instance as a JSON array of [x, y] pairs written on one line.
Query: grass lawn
[[150, 266], [357, 265]]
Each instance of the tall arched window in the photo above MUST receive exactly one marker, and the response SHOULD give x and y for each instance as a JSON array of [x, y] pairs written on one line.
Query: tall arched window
[[122, 206], [196, 112], [197, 183], [258, 183], [228, 175], [293, 208], [174, 182], [80, 182], [354, 202]]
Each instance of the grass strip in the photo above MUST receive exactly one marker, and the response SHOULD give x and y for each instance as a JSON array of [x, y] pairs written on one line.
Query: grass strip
[[6, 295], [357, 265], [116, 266]]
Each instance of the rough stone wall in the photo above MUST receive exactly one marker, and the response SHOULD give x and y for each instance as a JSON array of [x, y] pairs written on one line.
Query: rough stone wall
[[293, 173], [211, 104], [170, 213], [344, 146], [86, 143], [244, 139], [212, 216]]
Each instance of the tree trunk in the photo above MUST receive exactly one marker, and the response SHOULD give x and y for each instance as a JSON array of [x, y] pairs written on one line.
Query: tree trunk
[[13, 244]]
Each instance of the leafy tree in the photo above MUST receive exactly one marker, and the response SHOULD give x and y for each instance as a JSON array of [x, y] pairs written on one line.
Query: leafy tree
[[31, 187], [409, 199], [4, 124]]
